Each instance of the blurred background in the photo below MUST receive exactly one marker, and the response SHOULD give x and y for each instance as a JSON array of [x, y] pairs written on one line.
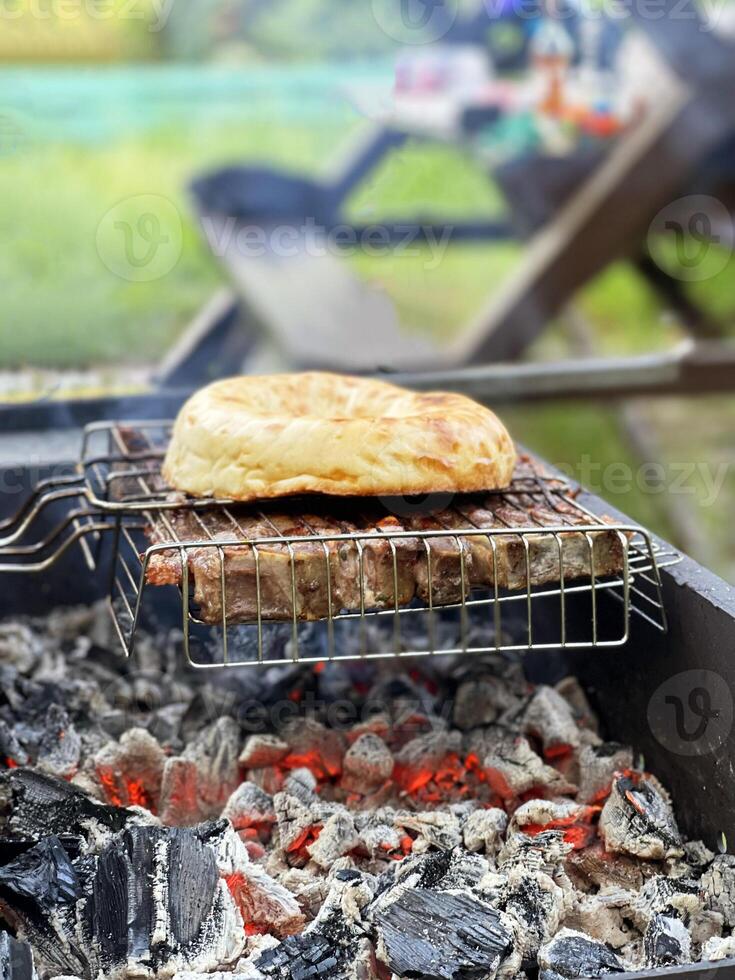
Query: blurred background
[[187, 186]]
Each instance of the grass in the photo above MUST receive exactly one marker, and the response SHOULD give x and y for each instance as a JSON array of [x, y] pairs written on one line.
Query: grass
[[62, 306]]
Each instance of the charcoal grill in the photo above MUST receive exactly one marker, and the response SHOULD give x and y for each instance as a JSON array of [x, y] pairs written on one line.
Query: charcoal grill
[[621, 683], [118, 489]]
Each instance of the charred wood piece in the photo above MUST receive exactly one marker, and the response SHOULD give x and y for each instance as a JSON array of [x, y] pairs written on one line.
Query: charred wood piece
[[441, 935], [666, 942], [44, 874], [571, 955], [16, 959], [598, 765], [638, 819], [718, 882], [36, 806]]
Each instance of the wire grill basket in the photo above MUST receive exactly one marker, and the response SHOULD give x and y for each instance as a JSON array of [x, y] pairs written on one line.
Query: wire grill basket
[[118, 491]]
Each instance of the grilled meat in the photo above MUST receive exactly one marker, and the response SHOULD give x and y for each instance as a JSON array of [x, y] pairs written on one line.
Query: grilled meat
[[299, 576]]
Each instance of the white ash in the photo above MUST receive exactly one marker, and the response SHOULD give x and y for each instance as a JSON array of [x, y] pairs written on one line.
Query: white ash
[[718, 948], [484, 830], [718, 882]]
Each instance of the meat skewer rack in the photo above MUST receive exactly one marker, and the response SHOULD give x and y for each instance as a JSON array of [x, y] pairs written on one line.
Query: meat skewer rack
[[118, 492]]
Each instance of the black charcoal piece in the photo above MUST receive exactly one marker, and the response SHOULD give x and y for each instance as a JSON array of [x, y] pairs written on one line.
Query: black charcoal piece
[[136, 872], [12, 752], [666, 942], [573, 955], [441, 936], [307, 957], [16, 959], [37, 806], [192, 882], [60, 746], [44, 873]]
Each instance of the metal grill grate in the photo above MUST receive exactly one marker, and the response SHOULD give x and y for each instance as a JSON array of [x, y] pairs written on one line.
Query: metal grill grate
[[119, 489]]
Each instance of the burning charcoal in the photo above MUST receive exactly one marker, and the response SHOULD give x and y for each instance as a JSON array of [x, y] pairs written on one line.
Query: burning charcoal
[[367, 763], [481, 701], [549, 718], [12, 753], [16, 959], [637, 819], [44, 874], [297, 827], [598, 765], [314, 746], [572, 955], [436, 828], [718, 883], [37, 806], [179, 804], [545, 851], [484, 830], [512, 768], [249, 806], [197, 784], [440, 935], [130, 772], [667, 942], [573, 819], [329, 944], [263, 903], [261, 751], [336, 838], [718, 949], [302, 784], [594, 866], [430, 767]]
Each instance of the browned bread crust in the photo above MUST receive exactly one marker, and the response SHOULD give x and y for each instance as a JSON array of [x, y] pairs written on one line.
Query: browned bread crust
[[254, 438]]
